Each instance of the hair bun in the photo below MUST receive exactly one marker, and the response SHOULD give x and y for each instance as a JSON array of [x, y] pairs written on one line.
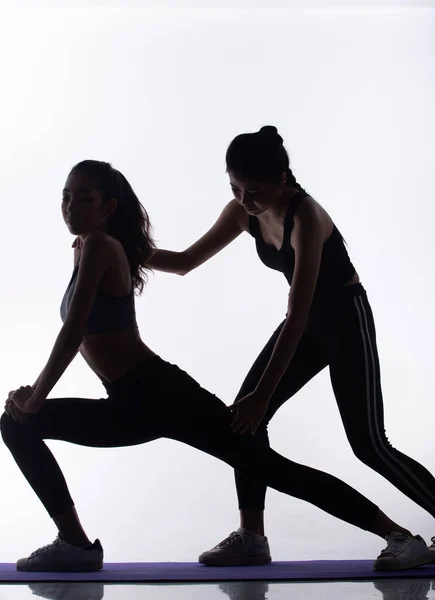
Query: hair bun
[[271, 132]]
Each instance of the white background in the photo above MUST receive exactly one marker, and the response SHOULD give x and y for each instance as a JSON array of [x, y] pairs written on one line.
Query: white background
[[160, 92]]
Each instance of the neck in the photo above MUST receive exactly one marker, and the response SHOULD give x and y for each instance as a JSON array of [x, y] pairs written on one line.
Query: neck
[[279, 210]]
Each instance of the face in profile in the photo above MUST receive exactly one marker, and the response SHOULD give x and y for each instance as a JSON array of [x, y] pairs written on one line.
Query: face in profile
[[83, 207]]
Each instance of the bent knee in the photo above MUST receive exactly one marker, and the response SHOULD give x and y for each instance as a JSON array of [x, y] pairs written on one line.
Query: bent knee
[[5, 420], [8, 428], [369, 452]]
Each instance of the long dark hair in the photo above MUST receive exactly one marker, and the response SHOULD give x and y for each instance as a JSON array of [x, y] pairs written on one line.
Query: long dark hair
[[260, 156], [129, 223]]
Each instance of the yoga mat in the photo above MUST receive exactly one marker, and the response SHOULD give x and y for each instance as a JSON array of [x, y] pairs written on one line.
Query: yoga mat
[[323, 570]]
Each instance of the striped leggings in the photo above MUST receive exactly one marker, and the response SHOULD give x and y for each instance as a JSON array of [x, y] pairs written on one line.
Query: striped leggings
[[341, 334]]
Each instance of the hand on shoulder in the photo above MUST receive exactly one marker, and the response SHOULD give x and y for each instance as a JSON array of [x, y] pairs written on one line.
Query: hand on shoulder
[[77, 243]]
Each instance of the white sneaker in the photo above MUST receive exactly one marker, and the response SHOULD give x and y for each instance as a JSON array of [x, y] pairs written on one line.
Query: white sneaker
[[402, 552], [61, 556], [240, 548]]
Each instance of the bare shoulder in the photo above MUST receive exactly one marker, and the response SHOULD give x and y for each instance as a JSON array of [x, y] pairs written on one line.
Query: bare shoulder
[[96, 241], [310, 212], [311, 217], [308, 207], [99, 247], [238, 214]]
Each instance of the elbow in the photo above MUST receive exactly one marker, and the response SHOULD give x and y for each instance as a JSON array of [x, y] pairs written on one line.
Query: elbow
[[298, 316], [185, 264], [74, 342], [72, 336]]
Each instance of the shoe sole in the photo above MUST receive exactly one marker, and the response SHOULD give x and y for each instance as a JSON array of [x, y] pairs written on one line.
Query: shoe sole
[[245, 563], [418, 563], [77, 568]]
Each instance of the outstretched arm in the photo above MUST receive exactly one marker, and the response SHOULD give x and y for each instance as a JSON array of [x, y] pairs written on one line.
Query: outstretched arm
[[228, 226]]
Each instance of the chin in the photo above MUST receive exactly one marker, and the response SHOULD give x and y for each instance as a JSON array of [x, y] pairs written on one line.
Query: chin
[[73, 230]]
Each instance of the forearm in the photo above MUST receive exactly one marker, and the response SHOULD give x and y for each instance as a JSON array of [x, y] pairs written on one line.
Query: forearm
[[282, 354], [64, 350], [34, 386], [169, 262]]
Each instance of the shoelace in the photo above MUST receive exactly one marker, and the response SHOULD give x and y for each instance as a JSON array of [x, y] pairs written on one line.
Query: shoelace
[[432, 539], [231, 539], [395, 546], [57, 542]]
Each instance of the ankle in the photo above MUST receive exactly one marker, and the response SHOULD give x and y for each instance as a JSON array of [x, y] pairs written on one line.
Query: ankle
[[384, 526], [253, 521], [79, 542], [404, 531], [257, 530]]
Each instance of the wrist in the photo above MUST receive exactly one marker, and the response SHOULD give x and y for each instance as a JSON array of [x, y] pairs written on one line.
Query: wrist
[[35, 402], [32, 407]]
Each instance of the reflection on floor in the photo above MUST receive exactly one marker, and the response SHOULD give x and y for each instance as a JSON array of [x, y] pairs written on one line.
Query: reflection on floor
[[380, 589]]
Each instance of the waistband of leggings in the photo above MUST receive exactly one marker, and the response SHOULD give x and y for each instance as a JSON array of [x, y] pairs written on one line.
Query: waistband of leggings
[[346, 291], [331, 299], [141, 369], [355, 289]]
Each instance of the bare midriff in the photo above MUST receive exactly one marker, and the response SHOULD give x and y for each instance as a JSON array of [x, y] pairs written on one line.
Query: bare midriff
[[112, 355]]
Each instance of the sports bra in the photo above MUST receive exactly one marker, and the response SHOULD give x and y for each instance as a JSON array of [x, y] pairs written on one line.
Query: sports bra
[[108, 313]]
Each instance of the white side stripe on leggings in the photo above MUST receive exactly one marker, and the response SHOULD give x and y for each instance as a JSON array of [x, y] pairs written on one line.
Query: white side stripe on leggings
[[376, 435]]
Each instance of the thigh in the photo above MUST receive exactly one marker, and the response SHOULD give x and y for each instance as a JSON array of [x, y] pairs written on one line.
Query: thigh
[[208, 428], [203, 421], [92, 422], [308, 360]]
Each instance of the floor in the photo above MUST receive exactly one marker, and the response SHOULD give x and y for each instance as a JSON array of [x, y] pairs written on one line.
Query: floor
[[381, 589]]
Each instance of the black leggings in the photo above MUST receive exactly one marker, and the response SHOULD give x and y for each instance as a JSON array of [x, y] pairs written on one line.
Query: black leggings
[[341, 334], [155, 400]]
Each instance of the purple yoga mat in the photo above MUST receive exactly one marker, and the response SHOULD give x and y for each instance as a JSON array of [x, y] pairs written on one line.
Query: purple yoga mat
[[178, 572]]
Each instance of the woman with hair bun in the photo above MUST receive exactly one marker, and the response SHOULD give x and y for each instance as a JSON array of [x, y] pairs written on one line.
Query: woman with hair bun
[[329, 322]]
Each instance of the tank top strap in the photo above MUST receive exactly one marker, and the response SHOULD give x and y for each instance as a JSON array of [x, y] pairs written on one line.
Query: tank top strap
[[254, 226], [297, 199]]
